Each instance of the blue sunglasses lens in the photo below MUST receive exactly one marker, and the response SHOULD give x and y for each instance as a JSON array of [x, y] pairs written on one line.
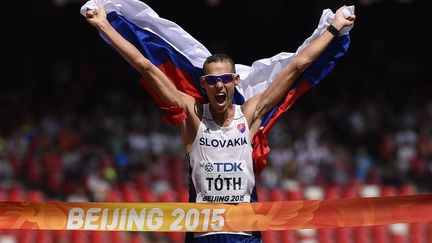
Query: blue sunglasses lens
[[224, 78]]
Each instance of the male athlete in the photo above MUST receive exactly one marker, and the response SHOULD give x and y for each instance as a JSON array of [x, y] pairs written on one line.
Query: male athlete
[[217, 136]]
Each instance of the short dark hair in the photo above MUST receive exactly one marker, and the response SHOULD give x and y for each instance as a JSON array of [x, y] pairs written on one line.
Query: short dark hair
[[219, 57]]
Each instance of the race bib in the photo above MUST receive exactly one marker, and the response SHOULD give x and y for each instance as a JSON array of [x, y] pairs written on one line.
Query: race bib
[[223, 182]]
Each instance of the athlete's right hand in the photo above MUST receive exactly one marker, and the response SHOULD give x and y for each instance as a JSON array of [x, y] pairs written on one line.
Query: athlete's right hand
[[97, 18]]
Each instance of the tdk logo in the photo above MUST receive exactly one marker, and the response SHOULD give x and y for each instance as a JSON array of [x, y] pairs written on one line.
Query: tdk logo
[[208, 167], [228, 167]]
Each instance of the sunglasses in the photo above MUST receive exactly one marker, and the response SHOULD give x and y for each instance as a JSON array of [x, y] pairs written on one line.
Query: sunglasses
[[224, 78]]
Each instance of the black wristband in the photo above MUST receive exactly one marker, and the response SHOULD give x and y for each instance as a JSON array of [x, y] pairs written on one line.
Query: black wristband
[[333, 30]]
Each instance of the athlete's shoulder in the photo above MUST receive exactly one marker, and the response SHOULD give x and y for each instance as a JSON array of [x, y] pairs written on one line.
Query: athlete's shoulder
[[250, 104]]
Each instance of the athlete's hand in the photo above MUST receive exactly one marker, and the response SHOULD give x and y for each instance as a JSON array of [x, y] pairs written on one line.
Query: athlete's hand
[[96, 18], [340, 21]]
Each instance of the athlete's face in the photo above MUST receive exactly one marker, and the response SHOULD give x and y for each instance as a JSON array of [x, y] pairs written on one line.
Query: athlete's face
[[219, 83]]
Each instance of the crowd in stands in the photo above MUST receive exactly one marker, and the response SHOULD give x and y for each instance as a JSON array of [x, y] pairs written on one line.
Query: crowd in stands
[[135, 157], [82, 157]]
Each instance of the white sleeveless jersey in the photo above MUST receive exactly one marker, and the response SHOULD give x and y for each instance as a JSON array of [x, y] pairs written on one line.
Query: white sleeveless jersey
[[220, 160]]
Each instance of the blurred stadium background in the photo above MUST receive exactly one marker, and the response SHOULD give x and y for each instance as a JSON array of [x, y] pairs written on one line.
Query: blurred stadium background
[[76, 126]]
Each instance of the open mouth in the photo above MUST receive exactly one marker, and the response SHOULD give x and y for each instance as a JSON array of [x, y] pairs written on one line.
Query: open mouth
[[220, 98]]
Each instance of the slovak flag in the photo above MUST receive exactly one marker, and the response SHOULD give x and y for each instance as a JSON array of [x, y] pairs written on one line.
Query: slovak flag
[[180, 56], [241, 127]]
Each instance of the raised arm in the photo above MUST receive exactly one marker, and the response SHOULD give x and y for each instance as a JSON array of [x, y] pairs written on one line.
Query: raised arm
[[160, 83], [256, 108]]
